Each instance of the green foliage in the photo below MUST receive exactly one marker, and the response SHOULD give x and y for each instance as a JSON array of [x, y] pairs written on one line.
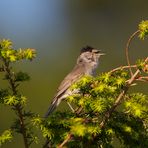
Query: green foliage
[[129, 129], [3, 93], [8, 53], [143, 27], [79, 127], [30, 134], [42, 125], [96, 96], [136, 105], [21, 76], [11, 96], [15, 100], [140, 64], [6, 136]]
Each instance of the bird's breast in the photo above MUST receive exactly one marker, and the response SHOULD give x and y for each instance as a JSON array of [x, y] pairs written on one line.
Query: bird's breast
[[91, 69]]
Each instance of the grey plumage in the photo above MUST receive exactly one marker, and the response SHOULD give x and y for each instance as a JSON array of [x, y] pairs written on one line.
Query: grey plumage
[[86, 64]]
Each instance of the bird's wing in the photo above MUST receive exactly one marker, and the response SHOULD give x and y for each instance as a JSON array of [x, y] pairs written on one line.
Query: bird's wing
[[77, 72]]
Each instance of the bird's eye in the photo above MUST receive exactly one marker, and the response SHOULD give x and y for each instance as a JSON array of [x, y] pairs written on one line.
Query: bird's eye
[[80, 60]]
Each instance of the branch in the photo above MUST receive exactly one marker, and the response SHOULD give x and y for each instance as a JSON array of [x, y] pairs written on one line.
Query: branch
[[127, 50], [65, 141], [17, 107], [117, 102], [123, 67]]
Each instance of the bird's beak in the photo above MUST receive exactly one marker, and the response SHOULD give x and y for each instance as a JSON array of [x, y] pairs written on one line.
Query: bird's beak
[[102, 54], [98, 52]]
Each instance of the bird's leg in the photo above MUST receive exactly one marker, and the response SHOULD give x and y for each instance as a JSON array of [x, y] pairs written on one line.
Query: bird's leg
[[70, 106], [69, 93]]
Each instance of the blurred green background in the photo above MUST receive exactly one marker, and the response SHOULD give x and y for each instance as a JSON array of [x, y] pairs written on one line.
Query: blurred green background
[[58, 29]]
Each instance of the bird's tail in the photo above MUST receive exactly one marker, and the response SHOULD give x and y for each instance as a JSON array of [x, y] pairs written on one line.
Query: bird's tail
[[52, 107]]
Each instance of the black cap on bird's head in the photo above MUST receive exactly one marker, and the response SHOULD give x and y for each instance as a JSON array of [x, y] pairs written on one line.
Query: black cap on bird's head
[[91, 49], [87, 49]]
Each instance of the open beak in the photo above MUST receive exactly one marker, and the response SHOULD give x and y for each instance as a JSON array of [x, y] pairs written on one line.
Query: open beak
[[98, 52], [102, 54]]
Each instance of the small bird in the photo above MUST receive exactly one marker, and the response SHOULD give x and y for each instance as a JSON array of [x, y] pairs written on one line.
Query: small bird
[[86, 64]]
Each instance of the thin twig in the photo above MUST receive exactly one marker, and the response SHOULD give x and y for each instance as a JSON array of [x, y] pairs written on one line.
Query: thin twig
[[17, 107], [127, 49], [123, 67], [65, 141], [70, 106], [143, 79]]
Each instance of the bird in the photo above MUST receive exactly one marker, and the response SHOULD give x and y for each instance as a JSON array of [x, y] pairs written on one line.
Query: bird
[[87, 63]]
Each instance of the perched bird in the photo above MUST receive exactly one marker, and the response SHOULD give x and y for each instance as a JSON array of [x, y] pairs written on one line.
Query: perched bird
[[86, 64]]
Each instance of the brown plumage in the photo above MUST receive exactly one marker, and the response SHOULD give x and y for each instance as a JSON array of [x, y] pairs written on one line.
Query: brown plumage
[[86, 64]]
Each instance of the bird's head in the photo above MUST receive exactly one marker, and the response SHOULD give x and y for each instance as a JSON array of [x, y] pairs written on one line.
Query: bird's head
[[89, 55]]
